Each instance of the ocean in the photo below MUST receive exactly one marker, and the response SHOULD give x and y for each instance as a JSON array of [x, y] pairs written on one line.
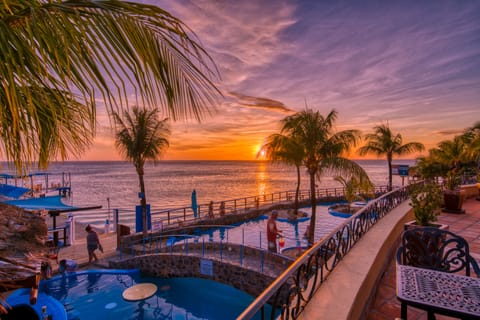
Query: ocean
[[169, 184]]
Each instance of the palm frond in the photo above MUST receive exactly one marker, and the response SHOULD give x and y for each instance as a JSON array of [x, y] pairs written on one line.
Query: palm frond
[[88, 49]]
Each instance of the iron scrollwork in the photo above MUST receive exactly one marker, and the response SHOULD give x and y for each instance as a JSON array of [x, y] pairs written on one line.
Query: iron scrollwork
[[310, 270]]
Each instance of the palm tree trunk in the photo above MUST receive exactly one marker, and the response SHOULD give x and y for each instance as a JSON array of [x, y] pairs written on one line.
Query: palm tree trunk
[[298, 189], [143, 203], [389, 160], [311, 233]]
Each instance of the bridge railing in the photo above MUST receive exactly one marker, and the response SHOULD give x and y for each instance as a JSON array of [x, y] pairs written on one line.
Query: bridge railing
[[307, 273], [241, 205], [160, 219], [202, 245]]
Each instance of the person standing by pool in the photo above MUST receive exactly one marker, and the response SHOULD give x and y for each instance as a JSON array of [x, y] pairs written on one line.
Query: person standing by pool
[[272, 232], [210, 210], [93, 243]]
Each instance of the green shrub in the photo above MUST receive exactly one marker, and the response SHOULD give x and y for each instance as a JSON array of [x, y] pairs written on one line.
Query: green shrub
[[426, 200]]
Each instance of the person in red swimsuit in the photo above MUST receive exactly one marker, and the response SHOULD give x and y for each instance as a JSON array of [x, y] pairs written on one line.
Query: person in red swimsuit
[[272, 232]]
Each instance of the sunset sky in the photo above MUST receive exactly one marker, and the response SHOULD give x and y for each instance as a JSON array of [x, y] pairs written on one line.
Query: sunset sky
[[413, 64]]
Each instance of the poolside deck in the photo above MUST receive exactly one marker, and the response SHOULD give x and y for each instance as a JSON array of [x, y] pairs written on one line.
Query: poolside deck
[[78, 252]]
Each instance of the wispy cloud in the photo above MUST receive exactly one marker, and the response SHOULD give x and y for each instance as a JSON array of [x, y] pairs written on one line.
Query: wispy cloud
[[260, 103], [412, 63]]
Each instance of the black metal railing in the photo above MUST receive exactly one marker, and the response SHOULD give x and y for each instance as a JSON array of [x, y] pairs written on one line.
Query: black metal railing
[[293, 289]]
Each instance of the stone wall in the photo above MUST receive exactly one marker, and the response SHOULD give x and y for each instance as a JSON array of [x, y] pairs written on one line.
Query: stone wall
[[167, 265], [231, 251]]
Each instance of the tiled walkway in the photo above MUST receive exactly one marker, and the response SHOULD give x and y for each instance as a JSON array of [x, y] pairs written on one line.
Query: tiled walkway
[[386, 306]]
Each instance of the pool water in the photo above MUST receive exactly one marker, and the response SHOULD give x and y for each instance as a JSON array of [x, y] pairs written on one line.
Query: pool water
[[253, 233], [97, 294]]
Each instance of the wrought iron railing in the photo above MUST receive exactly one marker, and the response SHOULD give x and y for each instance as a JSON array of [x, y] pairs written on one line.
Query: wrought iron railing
[[303, 278]]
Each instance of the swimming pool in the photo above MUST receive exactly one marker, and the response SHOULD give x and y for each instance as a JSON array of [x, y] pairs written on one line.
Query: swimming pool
[[253, 232], [97, 294]]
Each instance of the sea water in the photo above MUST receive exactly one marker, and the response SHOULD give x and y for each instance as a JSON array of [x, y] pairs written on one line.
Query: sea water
[[169, 184]]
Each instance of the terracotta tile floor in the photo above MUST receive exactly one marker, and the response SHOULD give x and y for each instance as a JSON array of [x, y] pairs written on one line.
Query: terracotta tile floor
[[385, 305]]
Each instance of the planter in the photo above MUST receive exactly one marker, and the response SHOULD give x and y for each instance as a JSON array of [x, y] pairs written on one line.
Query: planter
[[342, 210], [453, 201], [413, 224]]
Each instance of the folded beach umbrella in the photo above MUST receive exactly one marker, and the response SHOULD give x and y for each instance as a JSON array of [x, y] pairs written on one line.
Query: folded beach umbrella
[[194, 203]]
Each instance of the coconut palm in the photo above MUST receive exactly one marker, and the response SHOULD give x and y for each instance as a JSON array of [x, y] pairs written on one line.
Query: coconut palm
[[471, 138], [60, 57], [354, 188], [323, 150], [384, 142], [141, 137], [452, 154], [280, 148], [429, 168]]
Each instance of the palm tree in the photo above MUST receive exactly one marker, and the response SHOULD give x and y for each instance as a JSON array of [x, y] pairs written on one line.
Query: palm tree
[[141, 137], [354, 187], [429, 168], [451, 152], [471, 138], [323, 150], [60, 57], [452, 155], [280, 148], [384, 142]]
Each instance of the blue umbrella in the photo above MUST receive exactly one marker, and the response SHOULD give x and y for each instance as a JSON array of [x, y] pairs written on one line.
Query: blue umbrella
[[194, 203]]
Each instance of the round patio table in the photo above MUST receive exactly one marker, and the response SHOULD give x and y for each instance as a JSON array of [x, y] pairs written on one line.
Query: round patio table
[[139, 291]]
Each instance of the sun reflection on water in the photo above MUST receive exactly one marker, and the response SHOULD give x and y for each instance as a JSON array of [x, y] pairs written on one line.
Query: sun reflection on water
[[261, 178]]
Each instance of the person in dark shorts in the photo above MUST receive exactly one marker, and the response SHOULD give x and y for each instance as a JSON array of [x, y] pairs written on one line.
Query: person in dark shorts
[[93, 243]]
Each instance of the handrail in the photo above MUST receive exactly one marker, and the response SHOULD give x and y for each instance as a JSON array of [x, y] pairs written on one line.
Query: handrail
[[242, 205], [198, 245], [184, 215], [294, 288]]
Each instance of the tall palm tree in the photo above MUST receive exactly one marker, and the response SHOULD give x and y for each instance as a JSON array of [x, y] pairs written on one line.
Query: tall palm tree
[[60, 57], [323, 150], [281, 148], [141, 137], [384, 142]]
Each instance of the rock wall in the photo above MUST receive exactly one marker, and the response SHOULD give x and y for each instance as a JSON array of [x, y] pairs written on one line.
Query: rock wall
[[20, 232], [175, 265]]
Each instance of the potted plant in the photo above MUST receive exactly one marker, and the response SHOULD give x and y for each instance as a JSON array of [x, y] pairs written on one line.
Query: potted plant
[[426, 201], [453, 195]]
